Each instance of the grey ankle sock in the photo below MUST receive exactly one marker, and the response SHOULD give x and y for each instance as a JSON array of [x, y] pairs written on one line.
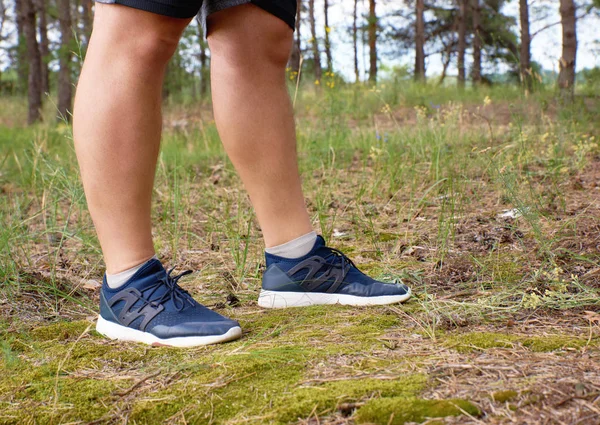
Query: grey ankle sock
[[115, 280], [295, 248]]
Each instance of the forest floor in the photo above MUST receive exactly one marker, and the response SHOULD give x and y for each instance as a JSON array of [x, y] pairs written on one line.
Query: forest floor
[[489, 208]]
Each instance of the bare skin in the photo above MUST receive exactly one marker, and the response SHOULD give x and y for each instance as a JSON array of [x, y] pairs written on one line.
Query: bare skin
[[117, 121]]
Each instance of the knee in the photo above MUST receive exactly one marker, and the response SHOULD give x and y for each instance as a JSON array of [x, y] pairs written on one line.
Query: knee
[[135, 36], [247, 45], [153, 48]]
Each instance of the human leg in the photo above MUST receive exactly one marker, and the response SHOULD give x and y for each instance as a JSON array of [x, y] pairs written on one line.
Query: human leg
[[249, 49], [117, 126], [253, 113]]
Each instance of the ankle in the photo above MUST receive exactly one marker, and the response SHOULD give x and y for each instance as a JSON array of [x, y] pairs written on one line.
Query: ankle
[[295, 248], [116, 280]]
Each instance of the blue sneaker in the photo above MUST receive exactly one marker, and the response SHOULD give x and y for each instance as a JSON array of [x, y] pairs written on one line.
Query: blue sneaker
[[152, 308], [323, 276]]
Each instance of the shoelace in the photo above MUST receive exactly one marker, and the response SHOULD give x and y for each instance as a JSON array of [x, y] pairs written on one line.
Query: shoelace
[[174, 292], [341, 261]]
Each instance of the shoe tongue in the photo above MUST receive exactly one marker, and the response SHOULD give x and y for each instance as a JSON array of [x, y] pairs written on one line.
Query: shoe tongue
[[147, 276], [152, 266], [319, 243]]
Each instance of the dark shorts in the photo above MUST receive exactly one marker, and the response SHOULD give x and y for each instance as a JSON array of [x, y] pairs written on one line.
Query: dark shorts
[[283, 9]]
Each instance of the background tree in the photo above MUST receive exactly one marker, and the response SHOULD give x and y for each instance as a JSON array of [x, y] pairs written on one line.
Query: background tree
[[420, 40], [462, 41], [21, 48], [44, 44], [86, 21], [315, 43], [525, 72], [297, 46], [477, 42], [34, 78], [2, 25], [355, 40], [204, 61], [566, 75], [327, 40], [372, 30], [65, 84]]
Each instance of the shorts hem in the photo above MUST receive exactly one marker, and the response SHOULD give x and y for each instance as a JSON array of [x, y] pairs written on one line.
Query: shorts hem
[[187, 12], [169, 10], [278, 11]]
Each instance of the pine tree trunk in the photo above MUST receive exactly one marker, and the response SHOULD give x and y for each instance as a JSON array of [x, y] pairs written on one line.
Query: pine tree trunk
[[525, 49], [2, 22], [21, 47], [297, 46], [327, 41], [203, 57], [315, 43], [86, 20], [566, 76], [420, 41], [204, 71], [44, 44], [355, 41], [34, 77], [446, 59], [65, 84], [372, 42], [462, 41], [477, 42]]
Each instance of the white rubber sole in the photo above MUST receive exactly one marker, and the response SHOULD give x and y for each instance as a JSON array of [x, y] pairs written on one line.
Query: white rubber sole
[[276, 299], [115, 331]]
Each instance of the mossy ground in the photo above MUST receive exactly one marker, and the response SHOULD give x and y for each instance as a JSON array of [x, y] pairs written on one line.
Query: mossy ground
[[64, 372], [285, 369], [489, 211]]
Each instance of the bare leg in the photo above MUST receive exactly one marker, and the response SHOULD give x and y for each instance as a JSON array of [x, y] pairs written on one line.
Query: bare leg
[[117, 126], [249, 52]]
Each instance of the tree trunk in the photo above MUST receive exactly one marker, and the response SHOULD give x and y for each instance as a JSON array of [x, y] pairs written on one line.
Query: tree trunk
[[372, 42], [462, 41], [446, 59], [477, 41], [315, 43], [420, 41], [566, 76], [203, 58], [34, 78], [327, 41], [65, 85], [2, 22], [525, 51], [86, 20], [355, 40], [297, 46], [21, 47], [44, 44]]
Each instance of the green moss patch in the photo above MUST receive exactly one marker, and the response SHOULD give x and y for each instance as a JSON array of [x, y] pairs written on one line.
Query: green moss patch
[[543, 344], [60, 331], [264, 386], [399, 410], [504, 396], [38, 396]]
